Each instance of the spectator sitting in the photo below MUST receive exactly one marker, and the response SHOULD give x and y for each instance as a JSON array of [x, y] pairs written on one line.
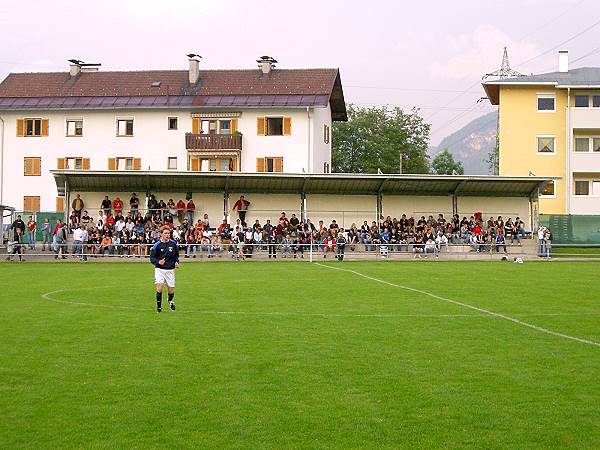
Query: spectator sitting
[[500, 241], [328, 245]]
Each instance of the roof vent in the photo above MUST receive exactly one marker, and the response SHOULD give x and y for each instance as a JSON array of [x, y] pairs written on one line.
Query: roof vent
[[194, 73], [266, 64]]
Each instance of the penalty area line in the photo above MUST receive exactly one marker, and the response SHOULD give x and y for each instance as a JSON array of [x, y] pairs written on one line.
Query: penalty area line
[[466, 305]]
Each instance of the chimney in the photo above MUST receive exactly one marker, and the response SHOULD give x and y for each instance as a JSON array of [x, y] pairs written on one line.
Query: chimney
[[194, 73], [266, 64], [75, 67], [563, 61]]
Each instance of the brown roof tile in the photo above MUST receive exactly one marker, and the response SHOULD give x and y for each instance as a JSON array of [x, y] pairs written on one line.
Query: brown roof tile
[[173, 82]]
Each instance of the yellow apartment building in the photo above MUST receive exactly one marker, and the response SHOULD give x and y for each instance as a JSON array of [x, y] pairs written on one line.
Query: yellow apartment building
[[549, 125]]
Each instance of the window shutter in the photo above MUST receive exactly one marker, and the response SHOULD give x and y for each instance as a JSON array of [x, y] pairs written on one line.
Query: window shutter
[[27, 169], [112, 163], [37, 166], [61, 163], [137, 163], [261, 124], [195, 165], [60, 204], [85, 165], [260, 164], [31, 204], [287, 126], [195, 125], [278, 164], [20, 127], [234, 165], [233, 126], [44, 127]]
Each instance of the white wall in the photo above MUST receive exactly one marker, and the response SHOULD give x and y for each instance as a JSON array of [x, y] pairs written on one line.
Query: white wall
[[494, 207], [151, 141], [321, 152], [416, 206], [345, 209]]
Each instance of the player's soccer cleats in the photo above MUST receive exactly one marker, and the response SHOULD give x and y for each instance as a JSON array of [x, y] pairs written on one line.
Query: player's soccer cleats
[[172, 306], [158, 310]]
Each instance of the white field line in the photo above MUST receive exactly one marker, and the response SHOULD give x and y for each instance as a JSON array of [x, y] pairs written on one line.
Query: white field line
[[48, 296], [465, 305]]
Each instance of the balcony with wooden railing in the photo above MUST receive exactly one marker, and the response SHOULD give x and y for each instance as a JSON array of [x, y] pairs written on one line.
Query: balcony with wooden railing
[[213, 141]]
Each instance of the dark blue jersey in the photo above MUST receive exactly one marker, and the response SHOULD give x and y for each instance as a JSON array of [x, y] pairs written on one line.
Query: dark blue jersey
[[167, 250]]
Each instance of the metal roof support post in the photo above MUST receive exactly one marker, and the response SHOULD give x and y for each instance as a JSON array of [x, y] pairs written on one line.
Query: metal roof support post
[[226, 200], [303, 212], [379, 206], [455, 196], [67, 202], [534, 210]]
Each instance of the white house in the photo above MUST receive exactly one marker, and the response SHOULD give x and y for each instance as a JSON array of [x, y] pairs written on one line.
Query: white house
[[261, 120]]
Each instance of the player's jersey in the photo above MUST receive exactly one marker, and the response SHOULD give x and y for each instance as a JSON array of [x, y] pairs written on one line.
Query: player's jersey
[[167, 250]]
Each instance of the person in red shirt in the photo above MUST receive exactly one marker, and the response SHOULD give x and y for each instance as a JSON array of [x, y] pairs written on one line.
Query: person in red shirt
[[118, 206], [241, 206], [191, 208], [110, 220], [180, 210], [31, 227], [328, 245]]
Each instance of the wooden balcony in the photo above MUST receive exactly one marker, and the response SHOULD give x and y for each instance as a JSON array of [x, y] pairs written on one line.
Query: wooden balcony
[[213, 141]]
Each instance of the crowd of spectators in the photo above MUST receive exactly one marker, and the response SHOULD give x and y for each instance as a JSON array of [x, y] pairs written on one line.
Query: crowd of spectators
[[128, 232]]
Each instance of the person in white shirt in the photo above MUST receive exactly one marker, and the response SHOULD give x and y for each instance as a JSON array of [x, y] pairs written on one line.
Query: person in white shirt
[[119, 225]]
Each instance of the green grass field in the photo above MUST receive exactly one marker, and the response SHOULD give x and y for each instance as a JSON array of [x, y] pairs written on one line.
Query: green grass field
[[297, 355]]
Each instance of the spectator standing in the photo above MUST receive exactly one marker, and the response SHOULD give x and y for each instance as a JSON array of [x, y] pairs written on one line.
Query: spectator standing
[[46, 233], [118, 206], [106, 205], [547, 242], [16, 245], [190, 209], [134, 204], [31, 229], [340, 244], [77, 205], [60, 240], [18, 223], [241, 206]]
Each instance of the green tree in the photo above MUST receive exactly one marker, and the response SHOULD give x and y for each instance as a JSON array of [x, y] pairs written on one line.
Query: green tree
[[444, 164], [384, 139], [494, 159]]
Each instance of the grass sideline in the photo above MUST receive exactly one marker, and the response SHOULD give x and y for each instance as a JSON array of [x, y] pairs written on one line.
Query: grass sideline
[[295, 355]]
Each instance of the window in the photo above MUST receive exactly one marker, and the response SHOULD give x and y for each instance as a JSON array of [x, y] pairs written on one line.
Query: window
[[274, 126], [213, 126], [548, 190], [545, 102], [30, 127], [581, 101], [582, 187], [213, 164], [326, 168], [74, 127], [172, 163], [32, 167], [31, 203], [545, 144], [582, 144], [596, 144], [33, 127], [73, 163], [596, 101], [326, 134], [124, 163], [596, 188], [172, 121], [224, 126], [269, 164], [124, 127]]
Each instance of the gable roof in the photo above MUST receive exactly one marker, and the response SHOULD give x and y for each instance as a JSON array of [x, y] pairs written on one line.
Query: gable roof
[[584, 77], [322, 84]]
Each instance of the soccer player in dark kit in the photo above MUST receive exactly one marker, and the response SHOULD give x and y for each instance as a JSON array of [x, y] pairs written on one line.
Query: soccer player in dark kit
[[164, 255]]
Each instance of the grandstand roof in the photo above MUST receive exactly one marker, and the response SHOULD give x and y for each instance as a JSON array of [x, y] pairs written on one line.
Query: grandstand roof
[[278, 183]]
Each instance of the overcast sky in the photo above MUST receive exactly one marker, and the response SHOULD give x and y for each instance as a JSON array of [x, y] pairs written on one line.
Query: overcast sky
[[428, 54]]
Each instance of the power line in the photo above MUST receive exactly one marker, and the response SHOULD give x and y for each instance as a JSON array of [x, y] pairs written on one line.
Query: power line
[[595, 24], [551, 20]]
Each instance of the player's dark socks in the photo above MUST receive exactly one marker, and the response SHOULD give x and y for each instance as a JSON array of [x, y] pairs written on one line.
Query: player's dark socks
[[159, 301]]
